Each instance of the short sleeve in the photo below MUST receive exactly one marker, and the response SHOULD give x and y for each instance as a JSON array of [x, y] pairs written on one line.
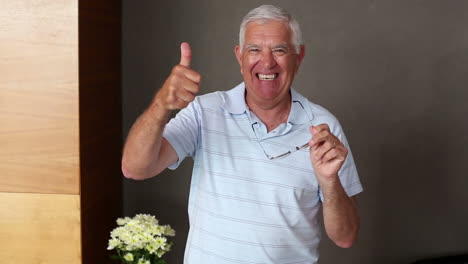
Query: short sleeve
[[182, 132], [348, 173]]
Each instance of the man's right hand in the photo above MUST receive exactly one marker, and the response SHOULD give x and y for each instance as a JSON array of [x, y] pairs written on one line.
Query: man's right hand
[[181, 86]]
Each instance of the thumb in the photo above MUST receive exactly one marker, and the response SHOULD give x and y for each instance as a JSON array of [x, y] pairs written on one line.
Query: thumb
[[185, 54], [312, 143]]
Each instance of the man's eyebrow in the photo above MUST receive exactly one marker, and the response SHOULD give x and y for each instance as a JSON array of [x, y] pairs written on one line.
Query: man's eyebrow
[[282, 46], [248, 46], [279, 46]]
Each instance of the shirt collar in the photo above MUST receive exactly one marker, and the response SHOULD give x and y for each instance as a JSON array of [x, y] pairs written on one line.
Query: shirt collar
[[300, 110], [234, 103]]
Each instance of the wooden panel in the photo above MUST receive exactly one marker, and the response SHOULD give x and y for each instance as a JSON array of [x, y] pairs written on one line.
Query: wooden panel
[[39, 228], [39, 96]]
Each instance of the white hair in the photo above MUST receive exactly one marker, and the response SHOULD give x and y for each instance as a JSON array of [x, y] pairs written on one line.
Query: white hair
[[263, 14]]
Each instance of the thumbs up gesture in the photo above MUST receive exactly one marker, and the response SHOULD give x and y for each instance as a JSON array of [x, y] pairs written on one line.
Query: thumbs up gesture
[[182, 85]]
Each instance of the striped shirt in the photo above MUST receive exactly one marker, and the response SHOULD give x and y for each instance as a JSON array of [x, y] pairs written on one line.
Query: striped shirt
[[243, 207]]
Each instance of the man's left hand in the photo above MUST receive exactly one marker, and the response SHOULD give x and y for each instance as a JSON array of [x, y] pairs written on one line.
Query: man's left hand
[[327, 153]]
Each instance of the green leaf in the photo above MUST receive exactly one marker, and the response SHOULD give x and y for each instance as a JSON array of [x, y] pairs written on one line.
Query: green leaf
[[161, 261], [115, 257]]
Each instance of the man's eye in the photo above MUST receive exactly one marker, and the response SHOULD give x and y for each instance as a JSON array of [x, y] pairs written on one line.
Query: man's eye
[[254, 50], [280, 52]]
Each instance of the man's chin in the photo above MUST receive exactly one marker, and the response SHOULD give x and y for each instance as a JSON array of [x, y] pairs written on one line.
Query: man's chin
[[267, 87], [268, 93]]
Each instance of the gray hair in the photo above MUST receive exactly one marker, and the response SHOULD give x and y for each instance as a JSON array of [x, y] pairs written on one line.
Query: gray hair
[[263, 14]]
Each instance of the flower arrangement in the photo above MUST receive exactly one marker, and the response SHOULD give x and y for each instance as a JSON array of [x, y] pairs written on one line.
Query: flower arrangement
[[140, 240]]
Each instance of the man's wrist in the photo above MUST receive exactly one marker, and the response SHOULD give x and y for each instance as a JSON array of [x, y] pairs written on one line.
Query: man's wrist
[[331, 187], [158, 113], [328, 180]]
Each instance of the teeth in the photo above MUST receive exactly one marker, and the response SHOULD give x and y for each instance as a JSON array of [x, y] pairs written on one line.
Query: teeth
[[266, 77]]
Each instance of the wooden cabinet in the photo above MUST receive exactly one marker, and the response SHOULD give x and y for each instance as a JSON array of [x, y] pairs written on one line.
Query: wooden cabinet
[[60, 129]]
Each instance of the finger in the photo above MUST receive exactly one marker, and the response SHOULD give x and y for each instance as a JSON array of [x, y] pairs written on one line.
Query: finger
[[338, 153], [182, 71], [185, 54], [189, 86], [327, 147], [192, 75], [181, 104], [322, 150], [319, 128], [318, 137], [330, 155], [176, 103], [178, 89], [185, 95]]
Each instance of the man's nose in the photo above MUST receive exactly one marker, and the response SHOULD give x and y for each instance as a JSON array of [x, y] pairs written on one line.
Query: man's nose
[[267, 59]]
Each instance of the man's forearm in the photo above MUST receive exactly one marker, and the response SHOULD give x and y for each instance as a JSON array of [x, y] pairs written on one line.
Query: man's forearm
[[146, 153], [143, 145], [340, 214]]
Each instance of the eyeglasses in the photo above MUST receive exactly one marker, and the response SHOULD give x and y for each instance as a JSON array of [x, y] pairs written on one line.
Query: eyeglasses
[[289, 151]]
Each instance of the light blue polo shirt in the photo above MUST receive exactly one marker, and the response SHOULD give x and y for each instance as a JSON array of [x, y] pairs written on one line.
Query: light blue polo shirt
[[244, 207]]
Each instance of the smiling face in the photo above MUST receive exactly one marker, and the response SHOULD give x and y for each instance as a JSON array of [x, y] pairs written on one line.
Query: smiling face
[[268, 62]]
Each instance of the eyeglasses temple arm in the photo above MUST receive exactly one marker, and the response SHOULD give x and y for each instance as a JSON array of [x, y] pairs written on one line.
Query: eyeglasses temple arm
[[303, 146]]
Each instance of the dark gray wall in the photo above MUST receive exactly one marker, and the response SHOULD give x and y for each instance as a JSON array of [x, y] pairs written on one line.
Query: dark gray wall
[[394, 72]]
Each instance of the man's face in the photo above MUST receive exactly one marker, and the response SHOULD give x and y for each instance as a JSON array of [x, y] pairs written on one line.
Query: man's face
[[268, 62]]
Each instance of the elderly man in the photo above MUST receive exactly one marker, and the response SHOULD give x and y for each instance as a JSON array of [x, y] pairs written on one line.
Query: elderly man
[[266, 158]]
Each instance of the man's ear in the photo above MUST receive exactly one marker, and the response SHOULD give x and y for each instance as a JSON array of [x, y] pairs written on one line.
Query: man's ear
[[237, 52], [300, 57]]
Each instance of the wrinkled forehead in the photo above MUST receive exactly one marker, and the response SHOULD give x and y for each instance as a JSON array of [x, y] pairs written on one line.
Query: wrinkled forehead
[[271, 30]]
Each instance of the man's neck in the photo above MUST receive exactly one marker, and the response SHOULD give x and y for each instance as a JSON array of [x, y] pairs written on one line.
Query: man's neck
[[271, 115]]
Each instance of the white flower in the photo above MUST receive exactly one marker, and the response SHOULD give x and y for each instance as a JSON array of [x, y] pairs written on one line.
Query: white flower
[[135, 241], [168, 247], [123, 221], [129, 248], [141, 233], [113, 243], [159, 230], [169, 231], [128, 257], [146, 238], [160, 242], [125, 236], [132, 223], [117, 232], [151, 248], [160, 252], [143, 261]]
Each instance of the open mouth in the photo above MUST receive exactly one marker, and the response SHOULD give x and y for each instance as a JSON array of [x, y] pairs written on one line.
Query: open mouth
[[267, 77]]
